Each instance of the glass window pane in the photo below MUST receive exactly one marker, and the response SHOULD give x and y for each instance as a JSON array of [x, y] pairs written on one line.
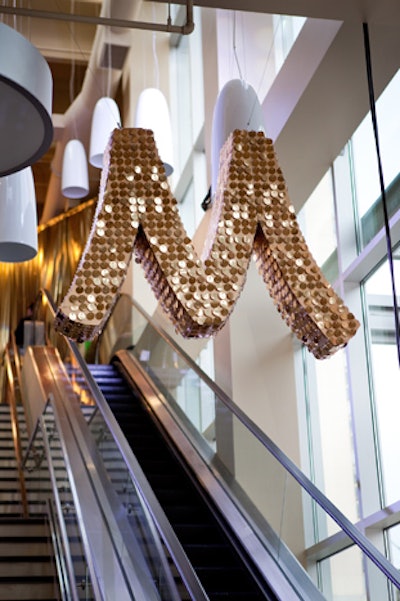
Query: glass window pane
[[286, 30], [393, 537], [317, 222], [366, 174], [342, 576], [336, 475], [385, 374]]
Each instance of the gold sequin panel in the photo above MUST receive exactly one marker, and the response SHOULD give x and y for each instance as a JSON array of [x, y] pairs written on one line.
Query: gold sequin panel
[[251, 211]]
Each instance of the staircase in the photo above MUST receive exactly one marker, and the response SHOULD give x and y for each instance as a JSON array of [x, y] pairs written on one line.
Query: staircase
[[27, 569], [26, 560], [218, 565]]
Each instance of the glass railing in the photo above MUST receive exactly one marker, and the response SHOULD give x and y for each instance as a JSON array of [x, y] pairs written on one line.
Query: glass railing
[[115, 554], [313, 543], [287, 512], [136, 511], [46, 461], [146, 531]]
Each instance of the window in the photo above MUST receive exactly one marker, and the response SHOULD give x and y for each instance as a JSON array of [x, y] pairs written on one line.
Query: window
[[352, 399], [366, 175], [385, 375]]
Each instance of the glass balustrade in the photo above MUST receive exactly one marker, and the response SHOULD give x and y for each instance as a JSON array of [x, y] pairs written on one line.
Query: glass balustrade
[[290, 515], [298, 525]]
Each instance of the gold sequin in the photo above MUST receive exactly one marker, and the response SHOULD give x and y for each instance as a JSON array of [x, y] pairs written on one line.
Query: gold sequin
[[251, 213]]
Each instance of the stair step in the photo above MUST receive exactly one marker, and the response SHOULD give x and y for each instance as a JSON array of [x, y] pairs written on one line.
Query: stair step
[[23, 527], [27, 570], [35, 566], [24, 547], [7, 458], [31, 591]]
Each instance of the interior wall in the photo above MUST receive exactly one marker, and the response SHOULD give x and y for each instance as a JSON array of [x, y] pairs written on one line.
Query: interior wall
[[263, 377], [255, 348], [253, 354]]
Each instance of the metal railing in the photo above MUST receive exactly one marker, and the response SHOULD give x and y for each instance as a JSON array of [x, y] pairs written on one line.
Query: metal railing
[[355, 536], [158, 523], [112, 553], [350, 530], [63, 559], [13, 380]]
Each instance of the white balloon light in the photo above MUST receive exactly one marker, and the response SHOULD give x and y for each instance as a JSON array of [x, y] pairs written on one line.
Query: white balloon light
[[237, 107], [105, 119], [75, 177], [152, 113], [18, 217]]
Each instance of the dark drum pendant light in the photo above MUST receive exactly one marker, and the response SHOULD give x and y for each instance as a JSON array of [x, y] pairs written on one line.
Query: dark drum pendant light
[[26, 88]]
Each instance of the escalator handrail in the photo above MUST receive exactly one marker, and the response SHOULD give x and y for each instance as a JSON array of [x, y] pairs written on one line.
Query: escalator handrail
[[150, 502], [61, 546], [15, 428], [345, 524]]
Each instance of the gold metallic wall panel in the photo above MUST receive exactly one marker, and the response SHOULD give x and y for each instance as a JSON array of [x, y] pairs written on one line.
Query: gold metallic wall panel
[[137, 213], [60, 244]]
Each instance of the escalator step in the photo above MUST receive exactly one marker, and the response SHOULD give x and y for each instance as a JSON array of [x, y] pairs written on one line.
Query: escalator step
[[218, 566], [211, 554], [223, 580]]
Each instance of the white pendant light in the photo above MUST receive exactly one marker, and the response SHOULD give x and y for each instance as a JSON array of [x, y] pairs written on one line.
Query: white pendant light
[[26, 90], [75, 177], [152, 113], [237, 107], [105, 119], [18, 217]]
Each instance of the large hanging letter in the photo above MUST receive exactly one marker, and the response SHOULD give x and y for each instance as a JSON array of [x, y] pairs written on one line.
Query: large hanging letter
[[137, 213]]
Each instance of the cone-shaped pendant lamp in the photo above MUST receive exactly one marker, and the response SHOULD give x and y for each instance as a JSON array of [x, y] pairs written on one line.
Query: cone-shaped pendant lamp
[[18, 217], [237, 107], [105, 119], [152, 113], [75, 177]]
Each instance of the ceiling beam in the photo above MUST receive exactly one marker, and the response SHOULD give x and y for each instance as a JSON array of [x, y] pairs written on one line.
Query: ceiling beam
[[167, 27], [357, 11]]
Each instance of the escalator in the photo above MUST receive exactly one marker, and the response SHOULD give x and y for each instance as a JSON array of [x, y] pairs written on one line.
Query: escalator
[[224, 572], [150, 467]]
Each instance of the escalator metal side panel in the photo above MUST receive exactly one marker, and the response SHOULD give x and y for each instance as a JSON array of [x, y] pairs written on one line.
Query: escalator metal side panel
[[171, 428], [103, 522]]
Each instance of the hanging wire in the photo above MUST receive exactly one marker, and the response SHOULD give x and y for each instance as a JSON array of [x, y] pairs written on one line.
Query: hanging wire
[[109, 57], [155, 57], [234, 47], [244, 44], [69, 25], [28, 26], [381, 182], [169, 20], [90, 70], [156, 67], [264, 71], [72, 75], [144, 62]]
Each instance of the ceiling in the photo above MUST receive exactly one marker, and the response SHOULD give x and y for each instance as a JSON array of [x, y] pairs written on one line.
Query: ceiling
[[67, 46], [384, 12]]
